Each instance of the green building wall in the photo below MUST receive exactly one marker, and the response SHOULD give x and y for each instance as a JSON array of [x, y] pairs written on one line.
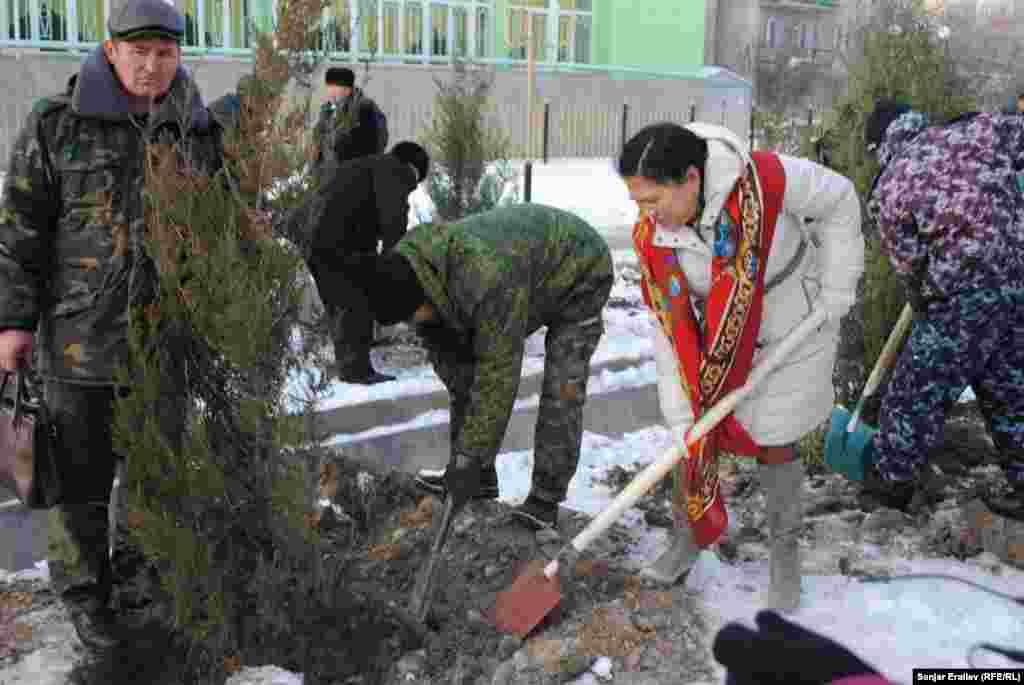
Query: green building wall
[[661, 35]]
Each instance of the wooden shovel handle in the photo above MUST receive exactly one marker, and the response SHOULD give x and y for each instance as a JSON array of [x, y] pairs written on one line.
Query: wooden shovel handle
[[711, 418], [890, 352]]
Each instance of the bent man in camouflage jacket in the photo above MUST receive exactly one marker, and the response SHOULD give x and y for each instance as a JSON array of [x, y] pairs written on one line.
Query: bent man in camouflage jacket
[[72, 264], [477, 288]]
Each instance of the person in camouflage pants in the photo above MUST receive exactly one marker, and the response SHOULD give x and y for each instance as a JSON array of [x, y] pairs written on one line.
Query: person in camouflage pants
[[951, 220], [73, 265], [477, 288]]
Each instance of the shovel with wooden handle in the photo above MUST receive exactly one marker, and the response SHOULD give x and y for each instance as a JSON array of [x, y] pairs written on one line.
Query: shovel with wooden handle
[[422, 594], [456, 497], [537, 591], [848, 439]]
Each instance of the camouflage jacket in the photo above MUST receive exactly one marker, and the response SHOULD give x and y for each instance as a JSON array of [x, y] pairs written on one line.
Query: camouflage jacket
[[495, 278], [72, 256], [946, 201]]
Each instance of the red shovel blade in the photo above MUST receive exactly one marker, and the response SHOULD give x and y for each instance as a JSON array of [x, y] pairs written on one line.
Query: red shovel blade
[[521, 608]]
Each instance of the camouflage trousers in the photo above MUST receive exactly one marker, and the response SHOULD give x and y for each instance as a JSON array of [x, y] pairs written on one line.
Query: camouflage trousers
[[92, 561], [972, 339], [347, 310], [568, 348]]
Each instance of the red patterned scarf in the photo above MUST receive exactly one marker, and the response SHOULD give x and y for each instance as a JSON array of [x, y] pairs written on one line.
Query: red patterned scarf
[[718, 358]]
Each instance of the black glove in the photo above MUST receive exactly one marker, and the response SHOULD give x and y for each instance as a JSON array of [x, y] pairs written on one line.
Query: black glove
[[782, 652], [462, 478]]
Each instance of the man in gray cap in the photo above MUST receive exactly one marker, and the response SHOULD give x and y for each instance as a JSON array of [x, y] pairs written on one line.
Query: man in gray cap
[[73, 263]]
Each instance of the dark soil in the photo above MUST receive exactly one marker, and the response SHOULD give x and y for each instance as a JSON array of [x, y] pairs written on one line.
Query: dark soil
[[604, 611], [377, 537]]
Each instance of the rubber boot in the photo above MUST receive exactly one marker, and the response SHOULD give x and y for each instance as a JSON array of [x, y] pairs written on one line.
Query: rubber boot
[[783, 485], [674, 562]]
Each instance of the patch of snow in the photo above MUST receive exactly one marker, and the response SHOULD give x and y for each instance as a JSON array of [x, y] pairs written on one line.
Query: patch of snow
[[895, 626], [40, 571], [627, 336], [603, 382], [569, 184], [265, 675]]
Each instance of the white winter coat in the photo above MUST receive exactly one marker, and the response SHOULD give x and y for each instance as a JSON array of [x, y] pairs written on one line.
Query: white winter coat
[[798, 396]]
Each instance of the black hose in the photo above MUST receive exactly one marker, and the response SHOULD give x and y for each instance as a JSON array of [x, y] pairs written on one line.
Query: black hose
[[1013, 654], [941, 576]]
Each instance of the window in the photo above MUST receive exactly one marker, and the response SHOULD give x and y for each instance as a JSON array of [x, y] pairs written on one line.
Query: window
[[414, 28], [215, 23], [90, 21], [337, 27], [367, 26], [460, 17], [438, 30], [390, 38], [52, 21], [483, 30], [562, 29], [773, 33], [574, 31], [807, 36]]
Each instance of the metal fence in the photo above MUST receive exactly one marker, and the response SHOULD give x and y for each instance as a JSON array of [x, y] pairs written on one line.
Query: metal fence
[[566, 129]]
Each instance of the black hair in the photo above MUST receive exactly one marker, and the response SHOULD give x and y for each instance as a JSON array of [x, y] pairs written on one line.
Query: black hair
[[885, 112], [663, 152], [414, 154], [340, 76]]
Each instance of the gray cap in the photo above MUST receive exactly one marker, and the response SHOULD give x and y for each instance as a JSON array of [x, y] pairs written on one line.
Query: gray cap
[[137, 19]]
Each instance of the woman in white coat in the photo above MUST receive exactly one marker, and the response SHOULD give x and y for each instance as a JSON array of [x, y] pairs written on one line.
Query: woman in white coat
[[710, 216]]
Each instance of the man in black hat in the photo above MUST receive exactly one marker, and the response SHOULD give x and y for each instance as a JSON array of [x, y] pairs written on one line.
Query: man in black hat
[[351, 124], [365, 203], [72, 264]]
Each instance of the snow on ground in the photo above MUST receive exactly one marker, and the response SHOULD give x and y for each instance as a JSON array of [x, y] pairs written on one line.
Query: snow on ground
[[569, 184], [626, 337], [588, 187], [895, 626], [603, 382]]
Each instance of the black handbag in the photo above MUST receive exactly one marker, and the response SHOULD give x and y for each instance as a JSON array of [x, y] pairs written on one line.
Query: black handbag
[[28, 445]]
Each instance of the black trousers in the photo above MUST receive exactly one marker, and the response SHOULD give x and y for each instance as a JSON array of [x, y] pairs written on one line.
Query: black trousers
[[80, 562], [338, 280], [79, 553]]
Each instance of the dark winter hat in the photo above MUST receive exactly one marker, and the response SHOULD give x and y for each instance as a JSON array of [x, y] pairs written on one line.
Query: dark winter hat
[[142, 19], [414, 154], [395, 291], [885, 112], [340, 76]]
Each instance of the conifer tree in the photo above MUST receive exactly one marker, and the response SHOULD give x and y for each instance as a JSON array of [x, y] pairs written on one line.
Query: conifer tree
[[219, 477], [900, 55], [463, 144]]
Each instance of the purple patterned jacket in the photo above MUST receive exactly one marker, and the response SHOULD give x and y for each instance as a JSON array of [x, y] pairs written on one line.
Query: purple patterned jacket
[[947, 204]]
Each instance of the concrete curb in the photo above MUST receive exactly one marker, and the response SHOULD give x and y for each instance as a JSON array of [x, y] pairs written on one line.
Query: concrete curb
[[356, 418], [613, 414]]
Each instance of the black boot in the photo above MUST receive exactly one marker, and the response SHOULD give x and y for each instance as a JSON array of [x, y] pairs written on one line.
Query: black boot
[[1009, 505], [537, 514], [83, 574], [363, 375], [95, 623], [877, 492], [432, 480]]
